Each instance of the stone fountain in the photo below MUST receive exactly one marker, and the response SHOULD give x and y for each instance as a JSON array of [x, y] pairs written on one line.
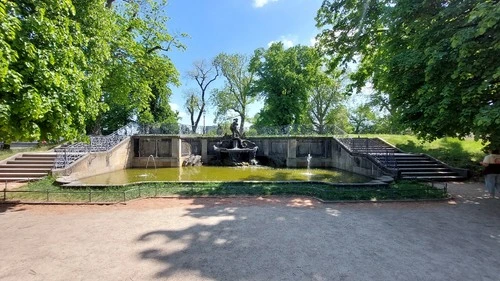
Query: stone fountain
[[235, 151]]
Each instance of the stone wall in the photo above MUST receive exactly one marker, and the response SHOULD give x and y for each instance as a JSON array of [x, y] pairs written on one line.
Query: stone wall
[[118, 158]]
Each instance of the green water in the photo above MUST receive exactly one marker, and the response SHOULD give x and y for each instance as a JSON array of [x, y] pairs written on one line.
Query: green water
[[224, 174]]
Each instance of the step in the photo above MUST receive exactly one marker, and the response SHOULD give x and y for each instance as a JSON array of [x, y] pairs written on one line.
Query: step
[[423, 169], [48, 155], [416, 162], [30, 162], [3, 180], [24, 170], [35, 158], [22, 175], [435, 178], [46, 166], [429, 173], [411, 158], [416, 165]]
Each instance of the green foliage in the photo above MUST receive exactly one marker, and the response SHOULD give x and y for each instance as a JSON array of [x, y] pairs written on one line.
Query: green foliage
[[339, 116], [285, 77], [238, 92], [63, 64], [324, 98], [362, 119], [41, 95], [438, 61], [140, 74]]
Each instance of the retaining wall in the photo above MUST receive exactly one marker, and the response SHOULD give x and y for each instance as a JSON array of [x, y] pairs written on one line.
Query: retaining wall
[[118, 158]]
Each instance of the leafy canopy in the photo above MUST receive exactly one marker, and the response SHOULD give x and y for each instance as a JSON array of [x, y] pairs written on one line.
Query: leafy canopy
[[438, 61], [284, 78]]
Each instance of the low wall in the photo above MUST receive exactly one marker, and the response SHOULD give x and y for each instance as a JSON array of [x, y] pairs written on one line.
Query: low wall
[[355, 162], [94, 163], [166, 150]]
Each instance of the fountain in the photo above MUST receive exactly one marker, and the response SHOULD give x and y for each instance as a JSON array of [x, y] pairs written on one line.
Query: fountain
[[145, 175], [154, 162], [235, 151]]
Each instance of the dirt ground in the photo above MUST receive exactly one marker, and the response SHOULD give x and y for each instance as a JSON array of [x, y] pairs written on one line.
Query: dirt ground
[[272, 238]]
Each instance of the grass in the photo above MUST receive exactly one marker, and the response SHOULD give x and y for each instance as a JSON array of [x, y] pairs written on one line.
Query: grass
[[46, 191], [6, 153]]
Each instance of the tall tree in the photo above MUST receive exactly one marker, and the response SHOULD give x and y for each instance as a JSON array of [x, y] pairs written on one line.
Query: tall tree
[[193, 106], [325, 96], [437, 60], [66, 64], [238, 92], [140, 72], [362, 119], [285, 77], [339, 118], [42, 71], [204, 73]]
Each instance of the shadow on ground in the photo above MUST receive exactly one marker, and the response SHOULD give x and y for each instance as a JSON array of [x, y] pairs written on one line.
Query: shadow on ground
[[297, 239]]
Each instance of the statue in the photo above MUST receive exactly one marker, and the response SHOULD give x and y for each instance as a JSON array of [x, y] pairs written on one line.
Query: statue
[[234, 129], [234, 151]]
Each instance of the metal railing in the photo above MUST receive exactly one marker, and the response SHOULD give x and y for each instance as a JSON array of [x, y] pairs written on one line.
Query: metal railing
[[68, 154]]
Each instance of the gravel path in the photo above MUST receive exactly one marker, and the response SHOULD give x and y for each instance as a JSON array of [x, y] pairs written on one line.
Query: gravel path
[[272, 238]]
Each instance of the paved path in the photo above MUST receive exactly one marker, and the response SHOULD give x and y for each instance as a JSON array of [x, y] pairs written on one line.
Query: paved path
[[255, 239]]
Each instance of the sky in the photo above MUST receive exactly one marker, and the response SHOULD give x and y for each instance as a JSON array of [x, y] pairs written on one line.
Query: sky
[[234, 27]]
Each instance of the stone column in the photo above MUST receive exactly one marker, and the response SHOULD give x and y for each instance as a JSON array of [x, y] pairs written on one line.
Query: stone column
[[176, 152], [291, 160], [204, 150], [265, 148]]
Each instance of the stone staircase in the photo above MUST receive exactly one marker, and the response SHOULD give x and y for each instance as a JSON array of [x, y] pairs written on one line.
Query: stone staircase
[[422, 167], [410, 166], [28, 166]]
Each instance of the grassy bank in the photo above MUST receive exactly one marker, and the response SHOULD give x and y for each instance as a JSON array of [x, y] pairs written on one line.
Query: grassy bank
[[46, 191]]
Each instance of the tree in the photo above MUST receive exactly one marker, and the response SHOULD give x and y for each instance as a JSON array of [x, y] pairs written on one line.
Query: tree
[[362, 119], [437, 60], [339, 118], [70, 65], [285, 77], [325, 96], [238, 92], [193, 106], [204, 74], [42, 71], [140, 74]]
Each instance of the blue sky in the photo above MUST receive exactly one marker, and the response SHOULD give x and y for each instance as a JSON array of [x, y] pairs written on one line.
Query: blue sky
[[234, 26]]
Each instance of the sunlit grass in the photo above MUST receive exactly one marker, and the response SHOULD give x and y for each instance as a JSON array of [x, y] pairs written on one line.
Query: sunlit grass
[[6, 153]]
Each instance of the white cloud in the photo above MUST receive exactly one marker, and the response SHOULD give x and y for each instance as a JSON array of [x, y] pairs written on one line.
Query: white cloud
[[262, 3], [287, 42]]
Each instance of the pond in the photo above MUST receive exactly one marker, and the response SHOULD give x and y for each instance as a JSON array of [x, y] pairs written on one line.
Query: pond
[[224, 174]]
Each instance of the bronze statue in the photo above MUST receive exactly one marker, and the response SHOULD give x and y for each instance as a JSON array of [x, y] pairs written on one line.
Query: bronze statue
[[234, 128]]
